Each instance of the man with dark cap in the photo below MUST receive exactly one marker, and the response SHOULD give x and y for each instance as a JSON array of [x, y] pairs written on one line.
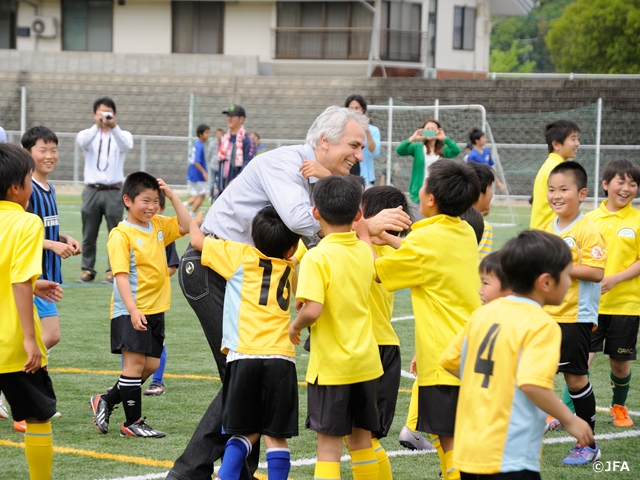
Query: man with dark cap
[[235, 149]]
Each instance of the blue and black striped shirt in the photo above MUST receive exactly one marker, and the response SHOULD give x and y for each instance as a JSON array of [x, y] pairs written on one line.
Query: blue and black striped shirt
[[43, 203]]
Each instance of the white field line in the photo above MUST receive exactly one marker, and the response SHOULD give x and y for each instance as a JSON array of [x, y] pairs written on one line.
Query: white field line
[[399, 319], [606, 409], [406, 374]]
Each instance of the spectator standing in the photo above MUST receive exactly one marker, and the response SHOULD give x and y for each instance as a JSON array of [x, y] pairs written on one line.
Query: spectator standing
[[366, 168], [258, 147], [197, 176], [235, 149]]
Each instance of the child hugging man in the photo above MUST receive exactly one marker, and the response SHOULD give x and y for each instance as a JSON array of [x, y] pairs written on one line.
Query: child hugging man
[[260, 392], [344, 362], [506, 357], [578, 313], [141, 295]]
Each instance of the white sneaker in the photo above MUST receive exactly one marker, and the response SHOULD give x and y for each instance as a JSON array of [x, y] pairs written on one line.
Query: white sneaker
[[4, 413], [186, 204], [57, 415], [413, 440]]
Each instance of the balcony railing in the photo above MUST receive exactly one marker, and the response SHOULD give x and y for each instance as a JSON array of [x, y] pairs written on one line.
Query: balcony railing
[[322, 43]]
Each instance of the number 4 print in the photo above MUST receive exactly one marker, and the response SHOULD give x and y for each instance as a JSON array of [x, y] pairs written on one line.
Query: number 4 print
[[484, 366], [267, 268]]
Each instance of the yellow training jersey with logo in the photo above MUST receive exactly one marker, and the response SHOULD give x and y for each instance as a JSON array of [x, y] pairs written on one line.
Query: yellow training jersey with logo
[[541, 212], [140, 253], [621, 231], [338, 273], [486, 242], [588, 248], [508, 343], [256, 300], [381, 303], [438, 261], [21, 237]]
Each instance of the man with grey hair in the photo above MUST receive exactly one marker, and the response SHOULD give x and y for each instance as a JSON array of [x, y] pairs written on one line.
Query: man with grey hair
[[335, 141]]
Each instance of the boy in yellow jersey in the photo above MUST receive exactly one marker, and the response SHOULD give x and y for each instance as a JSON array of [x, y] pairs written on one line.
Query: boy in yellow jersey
[[578, 313], [439, 262], [23, 357], [620, 301], [260, 391], [141, 295], [563, 140], [483, 205], [493, 282], [344, 362], [506, 357]]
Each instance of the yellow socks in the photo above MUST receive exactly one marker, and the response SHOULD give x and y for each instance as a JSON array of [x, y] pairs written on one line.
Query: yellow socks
[[384, 465], [412, 416], [443, 464], [452, 472], [327, 470], [364, 464], [38, 441]]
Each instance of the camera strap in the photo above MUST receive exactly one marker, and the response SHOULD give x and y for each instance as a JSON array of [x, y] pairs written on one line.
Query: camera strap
[[100, 151]]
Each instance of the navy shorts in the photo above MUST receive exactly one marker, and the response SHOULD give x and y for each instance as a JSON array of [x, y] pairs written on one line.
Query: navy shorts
[[30, 395], [437, 409], [149, 342], [618, 334]]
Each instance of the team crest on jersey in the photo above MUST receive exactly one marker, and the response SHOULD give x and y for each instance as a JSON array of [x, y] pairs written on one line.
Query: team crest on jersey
[[51, 221], [627, 233], [596, 252], [570, 241], [160, 236]]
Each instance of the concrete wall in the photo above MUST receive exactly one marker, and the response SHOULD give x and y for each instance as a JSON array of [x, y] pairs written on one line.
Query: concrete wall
[[142, 26], [247, 28], [26, 14]]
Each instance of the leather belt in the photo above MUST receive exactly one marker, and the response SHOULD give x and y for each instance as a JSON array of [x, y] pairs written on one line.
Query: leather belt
[[102, 186]]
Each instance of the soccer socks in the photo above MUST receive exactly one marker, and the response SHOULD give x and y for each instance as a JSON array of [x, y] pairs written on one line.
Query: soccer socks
[[38, 448], [566, 399], [278, 463], [452, 472], [326, 471], [236, 451], [620, 388], [159, 373], [131, 393], [412, 415], [364, 464], [384, 465], [585, 403], [435, 440], [113, 397]]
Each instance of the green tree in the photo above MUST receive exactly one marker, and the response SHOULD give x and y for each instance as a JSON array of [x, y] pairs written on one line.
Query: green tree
[[597, 36], [509, 61]]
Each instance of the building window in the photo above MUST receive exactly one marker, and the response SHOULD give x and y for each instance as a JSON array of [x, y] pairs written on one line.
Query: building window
[[197, 26], [323, 30], [87, 25], [8, 24], [400, 35], [464, 28]]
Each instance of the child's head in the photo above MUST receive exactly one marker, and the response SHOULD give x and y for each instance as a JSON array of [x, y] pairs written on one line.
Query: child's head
[[493, 282], [271, 236], [474, 218], [16, 167], [563, 138], [381, 197], [203, 132], [620, 180], [42, 144], [255, 137], [141, 196], [486, 177], [477, 137], [450, 189], [567, 189], [219, 133], [337, 199], [537, 261]]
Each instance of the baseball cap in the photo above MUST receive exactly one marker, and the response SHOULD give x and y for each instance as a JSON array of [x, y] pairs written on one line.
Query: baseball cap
[[235, 111]]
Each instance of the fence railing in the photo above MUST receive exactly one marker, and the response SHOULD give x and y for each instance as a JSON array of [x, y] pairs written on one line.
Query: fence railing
[[322, 43]]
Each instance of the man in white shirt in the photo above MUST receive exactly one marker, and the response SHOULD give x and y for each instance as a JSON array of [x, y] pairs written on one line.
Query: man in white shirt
[[105, 146]]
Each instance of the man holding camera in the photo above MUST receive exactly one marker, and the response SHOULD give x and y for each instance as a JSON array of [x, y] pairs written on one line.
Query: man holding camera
[[105, 146]]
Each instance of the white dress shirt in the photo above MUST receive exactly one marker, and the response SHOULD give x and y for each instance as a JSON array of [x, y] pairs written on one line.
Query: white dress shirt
[[104, 154]]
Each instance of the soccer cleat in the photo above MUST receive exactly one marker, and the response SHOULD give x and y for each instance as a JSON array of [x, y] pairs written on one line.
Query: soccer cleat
[[101, 413], [620, 416], [140, 429], [155, 389], [582, 455], [4, 413], [108, 278], [413, 440], [20, 426], [553, 424], [57, 415], [85, 277]]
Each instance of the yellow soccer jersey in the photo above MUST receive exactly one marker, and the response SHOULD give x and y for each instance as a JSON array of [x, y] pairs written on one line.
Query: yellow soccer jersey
[[21, 237], [541, 212], [486, 242], [621, 231], [338, 273], [588, 248], [439, 262], [381, 303], [140, 252], [300, 251], [508, 343], [256, 300]]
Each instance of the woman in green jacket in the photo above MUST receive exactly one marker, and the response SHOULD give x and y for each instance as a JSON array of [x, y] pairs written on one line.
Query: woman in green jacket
[[426, 145]]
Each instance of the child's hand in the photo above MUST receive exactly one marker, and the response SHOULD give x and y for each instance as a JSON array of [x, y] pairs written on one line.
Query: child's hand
[[579, 429], [413, 369], [75, 245], [310, 168], [48, 291], [138, 320], [608, 283], [361, 229], [165, 188], [294, 334], [199, 218], [62, 249], [34, 357]]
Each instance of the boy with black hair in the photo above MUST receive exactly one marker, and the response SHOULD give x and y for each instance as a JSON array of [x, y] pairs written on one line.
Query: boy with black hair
[[141, 295], [474, 218], [197, 176], [506, 357], [481, 155], [24, 381], [563, 140], [260, 392], [443, 283], [494, 283], [344, 362], [483, 205], [618, 317], [578, 313]]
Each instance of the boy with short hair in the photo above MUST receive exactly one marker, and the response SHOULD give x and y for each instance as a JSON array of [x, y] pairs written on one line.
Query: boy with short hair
[[481, 155], [494, 283], [197, 176], [24, 381], [563, 140], [444, 284], [141, 295], [578, 313], [620, 301], [344, 362], [506, 357], [260, 391], [483, 205]]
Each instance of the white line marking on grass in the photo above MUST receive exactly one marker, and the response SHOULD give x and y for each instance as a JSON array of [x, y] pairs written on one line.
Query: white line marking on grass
[[601, 436], [399, 319], [606, 409], [410, 375], [151, 476]]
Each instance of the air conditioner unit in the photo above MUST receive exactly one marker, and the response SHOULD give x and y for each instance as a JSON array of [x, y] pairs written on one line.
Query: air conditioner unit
[[46, 27]]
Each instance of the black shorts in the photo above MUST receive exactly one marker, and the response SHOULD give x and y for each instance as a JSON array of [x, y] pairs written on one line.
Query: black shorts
[[388, 386], [574, 351], [618, 334], [520, 475], [437, 409], [260, 396], [125, 337], [336, 409], [30, 395]]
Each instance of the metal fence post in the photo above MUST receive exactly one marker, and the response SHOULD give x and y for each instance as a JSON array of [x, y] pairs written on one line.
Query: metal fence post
[[389, 139], [143, 154], [23, 110], [596, 176], [436, 104], [76, 161], [190, 133]]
